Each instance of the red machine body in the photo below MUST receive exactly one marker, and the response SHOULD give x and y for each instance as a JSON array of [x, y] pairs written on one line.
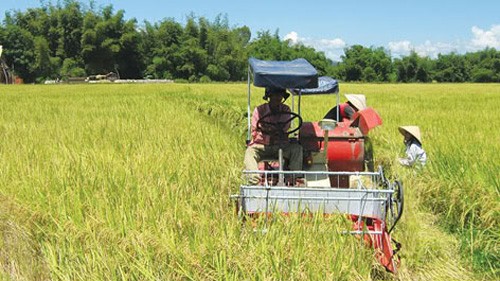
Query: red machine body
[[345, 150], [384, 252]]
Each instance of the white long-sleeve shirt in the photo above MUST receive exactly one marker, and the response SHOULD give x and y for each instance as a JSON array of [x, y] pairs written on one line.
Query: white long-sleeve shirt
[[415, 155]]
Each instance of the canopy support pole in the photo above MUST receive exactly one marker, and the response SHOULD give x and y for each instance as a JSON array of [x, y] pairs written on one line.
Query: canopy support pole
[[248, 108]]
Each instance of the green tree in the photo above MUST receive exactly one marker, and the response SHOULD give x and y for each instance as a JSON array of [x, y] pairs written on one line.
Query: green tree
[[66, 39], [44, 65], [413, 68], [485, 65], [193, 58], [268, 47], [452, 68], [226, 51], [72, 68], [358, 59], [160, 45], [18, 52], [369, 74], [381, 64], [68, 29], [483, 75], [109, 43], [129, 60]]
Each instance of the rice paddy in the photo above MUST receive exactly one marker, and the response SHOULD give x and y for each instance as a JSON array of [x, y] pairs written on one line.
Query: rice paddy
[[132, 182]]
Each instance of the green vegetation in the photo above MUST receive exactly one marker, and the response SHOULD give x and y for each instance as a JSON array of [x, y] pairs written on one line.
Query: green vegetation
[[101, 182], [72, 39]]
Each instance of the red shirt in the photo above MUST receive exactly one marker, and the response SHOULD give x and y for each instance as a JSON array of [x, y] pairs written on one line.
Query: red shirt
[[265, 139]]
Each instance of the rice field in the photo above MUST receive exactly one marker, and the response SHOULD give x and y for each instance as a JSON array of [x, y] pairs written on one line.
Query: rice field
[[132, 182]]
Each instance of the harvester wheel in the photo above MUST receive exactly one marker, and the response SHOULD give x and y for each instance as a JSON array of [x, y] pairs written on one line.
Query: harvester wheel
[[397, 203]]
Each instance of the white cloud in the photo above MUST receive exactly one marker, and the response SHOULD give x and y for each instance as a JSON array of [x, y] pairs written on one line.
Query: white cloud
[[428, 49], [293, 37], [480, 40], [333, 48], [400, 48], [336, 43], [489, 38]]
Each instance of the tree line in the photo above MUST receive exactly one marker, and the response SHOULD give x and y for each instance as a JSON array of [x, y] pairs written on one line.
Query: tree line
[[70, 39]]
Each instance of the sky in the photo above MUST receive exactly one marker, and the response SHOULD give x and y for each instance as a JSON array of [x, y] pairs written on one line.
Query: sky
[[428, 27]]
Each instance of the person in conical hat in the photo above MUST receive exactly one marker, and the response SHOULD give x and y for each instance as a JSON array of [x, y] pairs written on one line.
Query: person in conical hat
[[415, 154], [355, 102]]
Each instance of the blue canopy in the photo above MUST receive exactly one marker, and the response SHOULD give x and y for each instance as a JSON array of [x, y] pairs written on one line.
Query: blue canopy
[[295, 74], [326, 85]]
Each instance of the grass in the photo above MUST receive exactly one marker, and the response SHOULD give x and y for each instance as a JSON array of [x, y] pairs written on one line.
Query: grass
[[132, 182]]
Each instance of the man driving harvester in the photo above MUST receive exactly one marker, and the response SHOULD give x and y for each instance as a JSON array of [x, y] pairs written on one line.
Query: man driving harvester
[[270, 126]]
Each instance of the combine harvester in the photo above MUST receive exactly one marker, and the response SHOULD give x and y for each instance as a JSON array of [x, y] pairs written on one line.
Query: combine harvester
[[337, 182]]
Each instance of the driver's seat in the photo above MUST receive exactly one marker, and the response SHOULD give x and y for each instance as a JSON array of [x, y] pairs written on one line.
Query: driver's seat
[[269, 160]]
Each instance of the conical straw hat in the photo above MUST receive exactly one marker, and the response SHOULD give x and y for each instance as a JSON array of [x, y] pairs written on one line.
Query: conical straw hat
[[359, 101], [412, 130]]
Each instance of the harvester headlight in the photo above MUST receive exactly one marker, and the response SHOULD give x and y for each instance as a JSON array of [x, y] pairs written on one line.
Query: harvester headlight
[[327, 124]]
